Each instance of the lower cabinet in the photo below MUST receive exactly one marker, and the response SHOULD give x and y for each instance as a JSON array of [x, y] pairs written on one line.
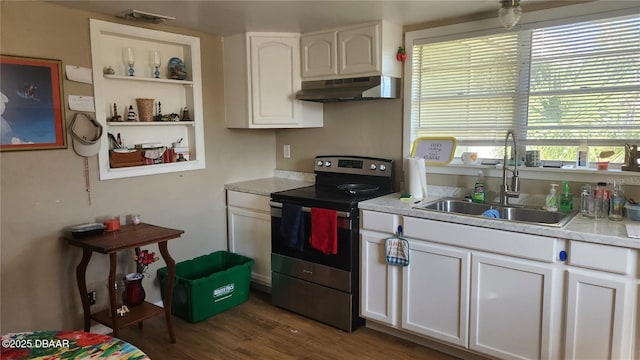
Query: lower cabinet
[[599, 316], [379, 282], [501, 294], [249, 232], [511, 307], [435, 292]]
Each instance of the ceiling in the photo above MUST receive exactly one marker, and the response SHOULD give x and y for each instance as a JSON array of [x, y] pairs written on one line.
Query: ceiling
[[230, 17]]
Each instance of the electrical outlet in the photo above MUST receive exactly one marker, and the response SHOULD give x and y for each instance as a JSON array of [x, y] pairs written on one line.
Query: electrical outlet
[[287, 151], [92, 297]]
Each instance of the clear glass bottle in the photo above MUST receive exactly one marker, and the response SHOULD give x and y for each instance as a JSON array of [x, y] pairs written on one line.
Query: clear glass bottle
[[616, 203], [585, 199], [598, 207]]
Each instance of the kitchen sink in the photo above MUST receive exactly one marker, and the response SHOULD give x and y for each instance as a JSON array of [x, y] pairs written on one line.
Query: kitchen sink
[[505, 213], [456, 206]]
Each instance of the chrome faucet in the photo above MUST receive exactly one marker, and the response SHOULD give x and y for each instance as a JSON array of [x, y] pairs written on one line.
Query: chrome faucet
[[507, 191]]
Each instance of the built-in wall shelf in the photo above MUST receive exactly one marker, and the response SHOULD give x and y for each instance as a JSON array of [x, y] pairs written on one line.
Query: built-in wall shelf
[[149, 79], [151, 123], [170, 96]]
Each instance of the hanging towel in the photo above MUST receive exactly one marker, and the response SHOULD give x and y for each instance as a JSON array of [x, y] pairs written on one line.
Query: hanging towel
[[292, 226], [324, 230], [397, 251]]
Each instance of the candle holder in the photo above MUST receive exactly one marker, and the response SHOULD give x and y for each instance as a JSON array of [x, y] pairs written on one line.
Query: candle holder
[[154, 61], [129, 57]]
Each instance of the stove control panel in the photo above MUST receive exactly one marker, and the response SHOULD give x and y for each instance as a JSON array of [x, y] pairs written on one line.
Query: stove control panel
[[358, 165]]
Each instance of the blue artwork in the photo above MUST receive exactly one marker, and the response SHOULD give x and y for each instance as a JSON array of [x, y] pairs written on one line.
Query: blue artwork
[[31, 114], [27, 101]]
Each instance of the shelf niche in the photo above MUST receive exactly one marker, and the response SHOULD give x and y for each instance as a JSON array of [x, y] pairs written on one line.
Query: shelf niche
[[107, 41]]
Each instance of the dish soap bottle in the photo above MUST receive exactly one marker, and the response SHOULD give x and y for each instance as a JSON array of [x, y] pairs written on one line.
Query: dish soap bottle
[[552, 201], [478, 189], [566, 199]]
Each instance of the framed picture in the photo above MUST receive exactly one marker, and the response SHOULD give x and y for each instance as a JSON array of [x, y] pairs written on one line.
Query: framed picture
[[31, 107]]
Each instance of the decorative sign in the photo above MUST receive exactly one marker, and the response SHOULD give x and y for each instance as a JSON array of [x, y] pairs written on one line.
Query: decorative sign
[[435, 150]]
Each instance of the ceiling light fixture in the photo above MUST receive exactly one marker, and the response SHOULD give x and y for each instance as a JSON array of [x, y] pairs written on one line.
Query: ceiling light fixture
[[509, 13], [146, 16]]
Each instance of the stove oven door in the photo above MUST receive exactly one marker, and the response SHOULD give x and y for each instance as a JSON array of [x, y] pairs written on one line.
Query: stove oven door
[[320, 286], [347, 240]]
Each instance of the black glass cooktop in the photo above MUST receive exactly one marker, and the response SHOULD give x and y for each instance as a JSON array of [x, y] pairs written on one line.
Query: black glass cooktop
[[329, 197]]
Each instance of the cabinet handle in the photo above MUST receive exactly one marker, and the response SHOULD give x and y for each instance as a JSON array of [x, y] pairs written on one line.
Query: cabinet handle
[[562, 255]]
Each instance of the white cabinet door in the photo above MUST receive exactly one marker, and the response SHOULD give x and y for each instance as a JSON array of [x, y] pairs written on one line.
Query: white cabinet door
[[378, 281], [319, 54], [598, 316], [249, 232], [262, 76], [435, 292], [511, 308], [359, 49], [274, 65]]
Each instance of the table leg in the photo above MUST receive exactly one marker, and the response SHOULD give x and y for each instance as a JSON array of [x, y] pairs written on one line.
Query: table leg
[[81, 271], [113, 259], [171, 266]]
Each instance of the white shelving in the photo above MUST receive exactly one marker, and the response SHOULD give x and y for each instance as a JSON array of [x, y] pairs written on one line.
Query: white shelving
[[107, 41]]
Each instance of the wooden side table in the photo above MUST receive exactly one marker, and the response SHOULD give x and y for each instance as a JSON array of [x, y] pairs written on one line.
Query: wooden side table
[[128, 237]]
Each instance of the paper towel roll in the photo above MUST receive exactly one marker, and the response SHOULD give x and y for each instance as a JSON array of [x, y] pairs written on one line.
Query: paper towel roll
[[416, 178]]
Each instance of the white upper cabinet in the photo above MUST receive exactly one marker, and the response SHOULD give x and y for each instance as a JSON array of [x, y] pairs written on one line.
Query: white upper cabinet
[[262, 76], [319, 54], [361, 50], [107, 43]]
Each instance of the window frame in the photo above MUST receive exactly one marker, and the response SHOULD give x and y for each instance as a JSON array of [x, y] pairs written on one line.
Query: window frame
[[530, 20]]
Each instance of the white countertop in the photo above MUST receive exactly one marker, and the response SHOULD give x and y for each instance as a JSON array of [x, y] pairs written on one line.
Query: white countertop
[[266, 186], [579, 228]]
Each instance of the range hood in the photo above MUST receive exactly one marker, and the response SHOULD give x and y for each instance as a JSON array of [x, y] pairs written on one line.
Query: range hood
[[350, 89]]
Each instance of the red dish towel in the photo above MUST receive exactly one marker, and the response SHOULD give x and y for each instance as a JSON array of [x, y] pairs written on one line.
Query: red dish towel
[[324, 230]]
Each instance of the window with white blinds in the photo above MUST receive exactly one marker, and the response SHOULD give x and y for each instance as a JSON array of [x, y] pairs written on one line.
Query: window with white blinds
[[553, 85]]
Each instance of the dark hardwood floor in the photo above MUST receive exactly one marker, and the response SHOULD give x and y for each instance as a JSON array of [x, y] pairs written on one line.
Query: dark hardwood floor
[[258, 330]]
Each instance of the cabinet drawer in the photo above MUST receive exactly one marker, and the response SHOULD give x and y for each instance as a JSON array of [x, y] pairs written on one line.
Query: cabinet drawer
[[377, 221], [496, 241], [601, 257], [248, 201]]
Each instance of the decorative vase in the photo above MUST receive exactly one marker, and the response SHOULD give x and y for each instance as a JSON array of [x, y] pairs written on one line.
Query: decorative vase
[[145, 109], [134, 292]]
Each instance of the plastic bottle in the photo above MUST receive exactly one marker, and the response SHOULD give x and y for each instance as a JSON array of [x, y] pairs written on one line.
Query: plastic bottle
[[478, 189], [552, 200], [566, 199], [583, 155], [616, 203]]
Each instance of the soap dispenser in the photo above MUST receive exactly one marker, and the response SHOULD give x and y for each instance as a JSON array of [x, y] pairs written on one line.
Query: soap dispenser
[[566, 199], [478, 189], [551, 203]]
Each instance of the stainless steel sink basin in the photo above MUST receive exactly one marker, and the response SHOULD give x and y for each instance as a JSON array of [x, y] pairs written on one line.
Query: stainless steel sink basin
[[456, 206], [506, 213], [535, 216]]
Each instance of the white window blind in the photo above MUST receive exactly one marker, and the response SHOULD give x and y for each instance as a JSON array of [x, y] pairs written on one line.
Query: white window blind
[[553, 85]]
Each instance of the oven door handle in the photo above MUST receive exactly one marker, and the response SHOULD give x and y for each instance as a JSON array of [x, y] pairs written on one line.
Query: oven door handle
[[341, 214]]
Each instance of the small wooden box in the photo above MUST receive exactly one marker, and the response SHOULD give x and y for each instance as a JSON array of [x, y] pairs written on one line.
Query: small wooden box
[[118, 159]]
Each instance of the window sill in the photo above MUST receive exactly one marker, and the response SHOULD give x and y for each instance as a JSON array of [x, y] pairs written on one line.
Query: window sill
[[551, 174]]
